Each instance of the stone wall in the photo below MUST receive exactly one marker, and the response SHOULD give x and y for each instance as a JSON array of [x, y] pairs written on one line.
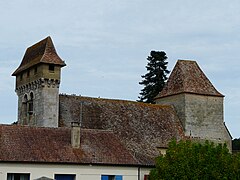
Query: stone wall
[[45, 94], [201, 116]]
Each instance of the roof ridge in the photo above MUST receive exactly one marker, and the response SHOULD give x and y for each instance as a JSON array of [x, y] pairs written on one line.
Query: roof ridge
[[113, 100], [32, 127], [45, 49]]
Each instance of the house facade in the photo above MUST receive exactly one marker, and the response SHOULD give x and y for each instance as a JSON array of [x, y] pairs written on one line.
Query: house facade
[[69, 137]]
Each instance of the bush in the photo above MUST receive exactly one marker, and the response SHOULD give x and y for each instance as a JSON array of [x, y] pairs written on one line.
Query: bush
[[191, 160]]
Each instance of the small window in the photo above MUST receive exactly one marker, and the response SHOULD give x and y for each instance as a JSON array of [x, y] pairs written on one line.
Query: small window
[[24, 105], [111, 177], [21, 76], [18, 176], [35, 70], [51, 68], [30, 104], [65, 176], [28, 73]]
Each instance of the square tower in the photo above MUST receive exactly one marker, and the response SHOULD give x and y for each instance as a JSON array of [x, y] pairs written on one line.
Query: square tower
[[37, 85], [198, 104]]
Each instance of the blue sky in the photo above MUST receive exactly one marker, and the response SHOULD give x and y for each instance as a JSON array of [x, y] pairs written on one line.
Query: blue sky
[[105, 44]]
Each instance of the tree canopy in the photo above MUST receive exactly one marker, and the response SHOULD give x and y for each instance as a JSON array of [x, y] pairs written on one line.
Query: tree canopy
[[191, 160], [155, 78]]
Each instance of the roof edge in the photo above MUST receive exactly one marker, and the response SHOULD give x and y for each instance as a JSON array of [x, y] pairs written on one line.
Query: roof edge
[[76, 163], [168, 95]]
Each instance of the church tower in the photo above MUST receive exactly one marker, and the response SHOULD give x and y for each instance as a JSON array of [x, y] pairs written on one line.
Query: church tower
[[37, 85], [198, 104]]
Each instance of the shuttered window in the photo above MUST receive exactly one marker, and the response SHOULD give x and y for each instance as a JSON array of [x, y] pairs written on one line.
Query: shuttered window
[[118, 177], [111, 177]]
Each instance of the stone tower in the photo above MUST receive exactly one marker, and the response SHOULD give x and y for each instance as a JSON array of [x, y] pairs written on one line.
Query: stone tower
[[198, 104], [37, 85]]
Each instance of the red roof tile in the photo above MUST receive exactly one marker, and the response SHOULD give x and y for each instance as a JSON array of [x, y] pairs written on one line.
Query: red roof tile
[[41, 52], [53, 145], [187, 77]]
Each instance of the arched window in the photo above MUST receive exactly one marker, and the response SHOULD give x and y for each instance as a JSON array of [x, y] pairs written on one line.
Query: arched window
[[24, 105], [30, 104], [24, 110]]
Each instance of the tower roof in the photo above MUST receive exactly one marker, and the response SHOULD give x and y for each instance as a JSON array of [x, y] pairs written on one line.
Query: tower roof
[[41, 52], [187, 77]]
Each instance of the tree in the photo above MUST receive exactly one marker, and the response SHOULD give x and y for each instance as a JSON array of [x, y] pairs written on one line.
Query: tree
[[155, 78], [191, 160]]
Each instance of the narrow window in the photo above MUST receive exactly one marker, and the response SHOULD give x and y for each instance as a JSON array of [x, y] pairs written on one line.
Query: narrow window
[[51, 67], [24, 110], [18, 176], [25, 100], [28, 73], [30, 104], [35, 70], [21, 76]]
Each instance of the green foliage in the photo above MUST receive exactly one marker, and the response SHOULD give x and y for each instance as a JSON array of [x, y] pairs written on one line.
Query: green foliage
[[236, 144], [155, 78], [190, 160]]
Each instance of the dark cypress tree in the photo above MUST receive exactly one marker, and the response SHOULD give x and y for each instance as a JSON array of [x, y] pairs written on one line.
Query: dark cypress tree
[[155, 78]]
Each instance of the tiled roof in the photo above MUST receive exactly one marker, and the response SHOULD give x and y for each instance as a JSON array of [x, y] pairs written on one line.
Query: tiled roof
[[187, 77], [53, 145], [141, 127], [41, 52]]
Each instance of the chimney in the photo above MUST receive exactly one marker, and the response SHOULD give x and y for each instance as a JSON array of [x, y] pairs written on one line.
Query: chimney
[[75, 134]]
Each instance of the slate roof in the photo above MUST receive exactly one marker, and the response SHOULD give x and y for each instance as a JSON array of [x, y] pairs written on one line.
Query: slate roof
[[187, 77], [41, 52], [53, 145], [141, 127]]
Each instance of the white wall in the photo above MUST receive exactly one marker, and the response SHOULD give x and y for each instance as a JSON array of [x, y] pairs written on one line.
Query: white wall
[[82, 172]]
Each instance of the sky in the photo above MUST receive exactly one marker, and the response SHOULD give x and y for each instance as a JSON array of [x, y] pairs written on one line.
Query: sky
[[105, 45]]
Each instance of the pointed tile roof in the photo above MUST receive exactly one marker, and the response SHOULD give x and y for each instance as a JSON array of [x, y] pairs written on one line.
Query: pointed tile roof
[[41, 52], [187, 77]]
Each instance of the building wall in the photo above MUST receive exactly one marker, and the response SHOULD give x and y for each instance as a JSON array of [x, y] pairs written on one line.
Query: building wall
[[178, 102], [47, 98], [36, 72], [43, 84], [82, 172], [204, 116], [201, 116], [45, 103]]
